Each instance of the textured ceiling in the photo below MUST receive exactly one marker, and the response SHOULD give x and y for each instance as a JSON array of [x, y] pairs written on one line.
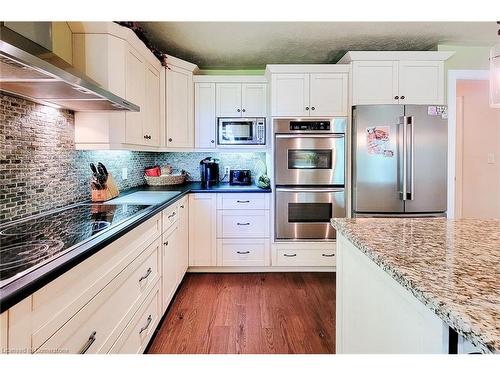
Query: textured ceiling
[[233, 45]]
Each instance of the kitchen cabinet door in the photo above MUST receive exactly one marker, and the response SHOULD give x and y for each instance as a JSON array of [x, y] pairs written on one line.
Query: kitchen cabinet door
[[179, 108], [183, 258], [169, 264], [290, 95], [202, 229], [254, 100], [228, 100], [135, 92], [328, 94], [151, 124], [204, 116], [421, 82], [375, 82]]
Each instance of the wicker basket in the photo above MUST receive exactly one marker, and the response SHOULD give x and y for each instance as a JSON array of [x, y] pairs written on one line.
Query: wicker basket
[[166, 179]]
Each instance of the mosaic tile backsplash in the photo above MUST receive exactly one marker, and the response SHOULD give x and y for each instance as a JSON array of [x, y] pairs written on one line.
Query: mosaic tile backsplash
[[190, 162], [41, 170]]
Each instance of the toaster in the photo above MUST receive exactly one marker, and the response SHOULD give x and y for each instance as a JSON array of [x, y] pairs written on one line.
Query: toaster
[[240, 177]]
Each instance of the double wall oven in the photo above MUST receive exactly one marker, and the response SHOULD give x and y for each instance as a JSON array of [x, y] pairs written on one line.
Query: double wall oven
[[310, 177]]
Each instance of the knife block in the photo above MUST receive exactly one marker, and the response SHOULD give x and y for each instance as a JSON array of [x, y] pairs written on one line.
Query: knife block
[[111, 191]]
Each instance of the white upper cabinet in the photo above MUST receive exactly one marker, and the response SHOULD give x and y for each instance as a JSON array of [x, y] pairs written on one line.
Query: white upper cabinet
[[328, 94], [205, 119], [135, 92], [309, 90], [290, 95], [241, 100], [421, 82], [397, 77], [253, 100], [179, 108], [375, 82], [228, 100], [115, 58]]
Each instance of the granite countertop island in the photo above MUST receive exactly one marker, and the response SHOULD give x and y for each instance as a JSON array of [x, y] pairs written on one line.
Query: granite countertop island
[[451, 266]]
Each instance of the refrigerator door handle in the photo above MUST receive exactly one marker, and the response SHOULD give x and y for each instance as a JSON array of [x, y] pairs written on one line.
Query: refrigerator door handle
[[405, 158], [411, 192]]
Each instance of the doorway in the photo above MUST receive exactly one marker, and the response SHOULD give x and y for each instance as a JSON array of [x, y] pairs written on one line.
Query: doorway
[[477, 152]]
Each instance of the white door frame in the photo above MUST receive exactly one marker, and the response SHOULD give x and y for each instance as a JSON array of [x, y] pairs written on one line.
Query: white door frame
[[453, 77]]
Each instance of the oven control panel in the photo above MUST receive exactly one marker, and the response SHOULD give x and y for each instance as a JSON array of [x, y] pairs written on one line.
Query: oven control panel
[[309, 125]]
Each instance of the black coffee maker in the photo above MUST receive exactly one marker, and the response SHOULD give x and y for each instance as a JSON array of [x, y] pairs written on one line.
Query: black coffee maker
[[209, 171]]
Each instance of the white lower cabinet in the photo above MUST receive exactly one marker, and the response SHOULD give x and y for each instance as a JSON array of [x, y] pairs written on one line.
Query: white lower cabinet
[[243, 229], [305, 254], [98, 324], [169, 264], [202, 229], [138, 332]]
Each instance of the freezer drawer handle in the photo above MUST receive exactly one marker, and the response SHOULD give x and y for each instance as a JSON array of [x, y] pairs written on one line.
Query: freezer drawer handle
[[327, 255], [150, 319], [88, 344], [148, 272], [290, 255], [243, 252], [242, 223]]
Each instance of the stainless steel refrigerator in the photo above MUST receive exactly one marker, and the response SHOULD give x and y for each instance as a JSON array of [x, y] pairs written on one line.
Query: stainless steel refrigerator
[[399, 156]]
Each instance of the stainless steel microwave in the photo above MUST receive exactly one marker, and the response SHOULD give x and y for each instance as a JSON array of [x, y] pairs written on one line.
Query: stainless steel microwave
[[241, 131]]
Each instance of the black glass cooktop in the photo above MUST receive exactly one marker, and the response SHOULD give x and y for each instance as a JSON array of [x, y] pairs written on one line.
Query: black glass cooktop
[[30, 243]]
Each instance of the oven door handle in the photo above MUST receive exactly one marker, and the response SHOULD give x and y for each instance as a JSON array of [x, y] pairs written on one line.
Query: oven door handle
[[298, 135], [310, 190]]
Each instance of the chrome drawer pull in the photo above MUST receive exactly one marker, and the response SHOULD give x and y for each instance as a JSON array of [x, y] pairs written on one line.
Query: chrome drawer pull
[[327, 255], [171, 216], [243, 201], [165, 243], [290, 255], [147, 324], [88, 344], [148, 272], [242, 223], [243, 252]]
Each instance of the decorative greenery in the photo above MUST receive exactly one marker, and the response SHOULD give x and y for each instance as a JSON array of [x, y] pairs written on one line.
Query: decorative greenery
[[141, 34]]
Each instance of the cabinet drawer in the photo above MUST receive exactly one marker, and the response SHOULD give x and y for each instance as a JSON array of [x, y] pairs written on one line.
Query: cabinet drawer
[[243, 224], [309, 258], [99, 323], [138, 332], [243, 252], [170, 216], [54, 304], [249, 201]]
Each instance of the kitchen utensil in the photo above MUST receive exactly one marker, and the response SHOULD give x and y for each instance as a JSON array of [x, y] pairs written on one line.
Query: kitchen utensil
[[102, 175], [103, 168]]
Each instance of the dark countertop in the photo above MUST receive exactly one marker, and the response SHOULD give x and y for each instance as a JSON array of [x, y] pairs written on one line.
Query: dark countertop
[[27, 284]]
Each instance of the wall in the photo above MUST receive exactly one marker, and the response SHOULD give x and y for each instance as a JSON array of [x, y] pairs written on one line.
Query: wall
[[466, 57], [478, 152], [190, 161], [41, 170]]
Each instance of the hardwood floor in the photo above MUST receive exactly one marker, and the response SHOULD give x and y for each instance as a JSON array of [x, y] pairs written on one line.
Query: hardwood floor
[[258, 313]]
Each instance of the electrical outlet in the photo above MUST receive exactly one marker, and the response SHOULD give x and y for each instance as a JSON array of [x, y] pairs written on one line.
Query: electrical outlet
[[226, 171], [491, 158], [124, 174]]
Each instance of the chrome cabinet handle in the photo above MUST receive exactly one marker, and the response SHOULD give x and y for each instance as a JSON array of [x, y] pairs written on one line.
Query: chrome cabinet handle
[[165, 243], [242, 223], [307, 108], [327, 255], [88, 344], [238, 110], [182, 206], [402, 96], [290, 255], [172, 215], [150, 319], [243, 201], [313, 108], [243, 252], [148, 272], [243, 110]]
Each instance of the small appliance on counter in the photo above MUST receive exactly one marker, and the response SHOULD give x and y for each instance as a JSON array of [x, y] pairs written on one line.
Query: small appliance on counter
[[240, 177], [103, 185], [209, 172]]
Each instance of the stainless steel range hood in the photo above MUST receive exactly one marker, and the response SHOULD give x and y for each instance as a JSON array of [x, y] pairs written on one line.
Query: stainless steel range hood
[[29, 70]]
